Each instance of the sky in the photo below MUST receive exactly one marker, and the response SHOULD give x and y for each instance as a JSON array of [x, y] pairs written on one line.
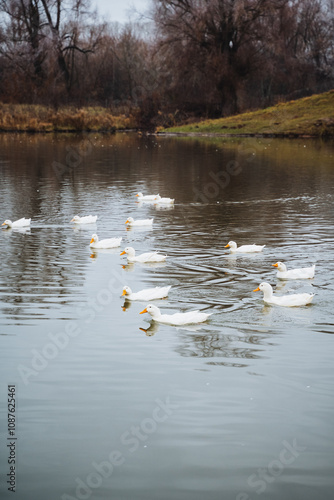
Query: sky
[[118, 10]]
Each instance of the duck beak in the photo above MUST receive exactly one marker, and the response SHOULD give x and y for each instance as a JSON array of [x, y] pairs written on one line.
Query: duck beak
[[92, 240], [275, 265], [256, 289], [124, 293], [72, 220], [3, 224], [137, 194], [127, 221], [122, 252], [143, 311], [227, 246]]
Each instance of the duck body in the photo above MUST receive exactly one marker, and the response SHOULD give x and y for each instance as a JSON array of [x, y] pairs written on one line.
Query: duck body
[[107, 243], [167, 201], [301, 273], [244, 248], [146, 294], [176, 319], [146, 197], [17, 223], [144, 257], [139, 222], [292, 300], [87, 219]]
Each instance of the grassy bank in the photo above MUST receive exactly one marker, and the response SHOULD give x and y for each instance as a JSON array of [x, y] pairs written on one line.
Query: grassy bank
[[310, 116], [34, 118]]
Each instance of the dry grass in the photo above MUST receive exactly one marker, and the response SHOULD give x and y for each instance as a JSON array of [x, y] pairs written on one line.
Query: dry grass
[[34, 118]]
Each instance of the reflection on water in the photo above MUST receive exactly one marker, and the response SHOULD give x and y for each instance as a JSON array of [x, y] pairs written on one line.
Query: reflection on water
[[253, 377]]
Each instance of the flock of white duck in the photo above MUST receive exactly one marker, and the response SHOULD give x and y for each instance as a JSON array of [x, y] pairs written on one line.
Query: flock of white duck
[[178, 319]]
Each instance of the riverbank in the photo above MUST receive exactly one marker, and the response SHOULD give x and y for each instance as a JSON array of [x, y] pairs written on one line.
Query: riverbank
[[36, 118], [310, 116]]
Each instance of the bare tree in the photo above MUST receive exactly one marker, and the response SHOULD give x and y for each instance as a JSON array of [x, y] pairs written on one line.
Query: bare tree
[[205, 57], [42, 37], [226, 34], [221, 49]]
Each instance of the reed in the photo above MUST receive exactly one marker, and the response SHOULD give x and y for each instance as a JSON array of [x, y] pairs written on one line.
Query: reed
[[35, 118]]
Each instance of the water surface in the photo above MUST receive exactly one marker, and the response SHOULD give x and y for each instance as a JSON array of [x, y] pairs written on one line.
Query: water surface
[[111, 405]]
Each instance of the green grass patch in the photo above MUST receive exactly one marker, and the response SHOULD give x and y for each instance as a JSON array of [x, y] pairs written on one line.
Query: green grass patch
[[310, 116]]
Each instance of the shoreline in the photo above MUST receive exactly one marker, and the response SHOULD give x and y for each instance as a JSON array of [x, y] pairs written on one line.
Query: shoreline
[[142, 132], [309, 117], [249, 135]]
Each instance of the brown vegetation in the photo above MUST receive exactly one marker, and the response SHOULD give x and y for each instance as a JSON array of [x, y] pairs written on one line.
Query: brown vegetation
[[38, 118], [207, 58]]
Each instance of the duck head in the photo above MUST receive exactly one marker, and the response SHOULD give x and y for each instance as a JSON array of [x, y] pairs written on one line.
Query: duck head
[[232, 245], [266, 288], [126, 290], [154, 311], [280, 266], [130, 251], [94, 239]]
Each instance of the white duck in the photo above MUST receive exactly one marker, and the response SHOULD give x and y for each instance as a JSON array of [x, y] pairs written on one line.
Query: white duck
[[87, 219], [176, 319], [144, 257], [17, 223], [147, 197], [139, 222], [108, 243], [244, 248], [292, 300], [159, 292], [164, 200], [294, 274]]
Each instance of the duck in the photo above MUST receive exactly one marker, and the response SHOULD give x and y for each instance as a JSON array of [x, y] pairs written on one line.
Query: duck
[[146, 197], [17, 223], [159, 292], [144, 257], [244, 248], [292, 300], [139, 222], [108, 243], [294, 274], [164, 200], [175, 319], [87, 219]]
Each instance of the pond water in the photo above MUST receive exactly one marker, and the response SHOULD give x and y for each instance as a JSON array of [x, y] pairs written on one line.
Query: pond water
[[110, 405]]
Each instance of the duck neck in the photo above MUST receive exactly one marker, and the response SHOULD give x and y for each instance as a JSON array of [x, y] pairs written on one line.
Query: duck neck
[[267, 293]]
